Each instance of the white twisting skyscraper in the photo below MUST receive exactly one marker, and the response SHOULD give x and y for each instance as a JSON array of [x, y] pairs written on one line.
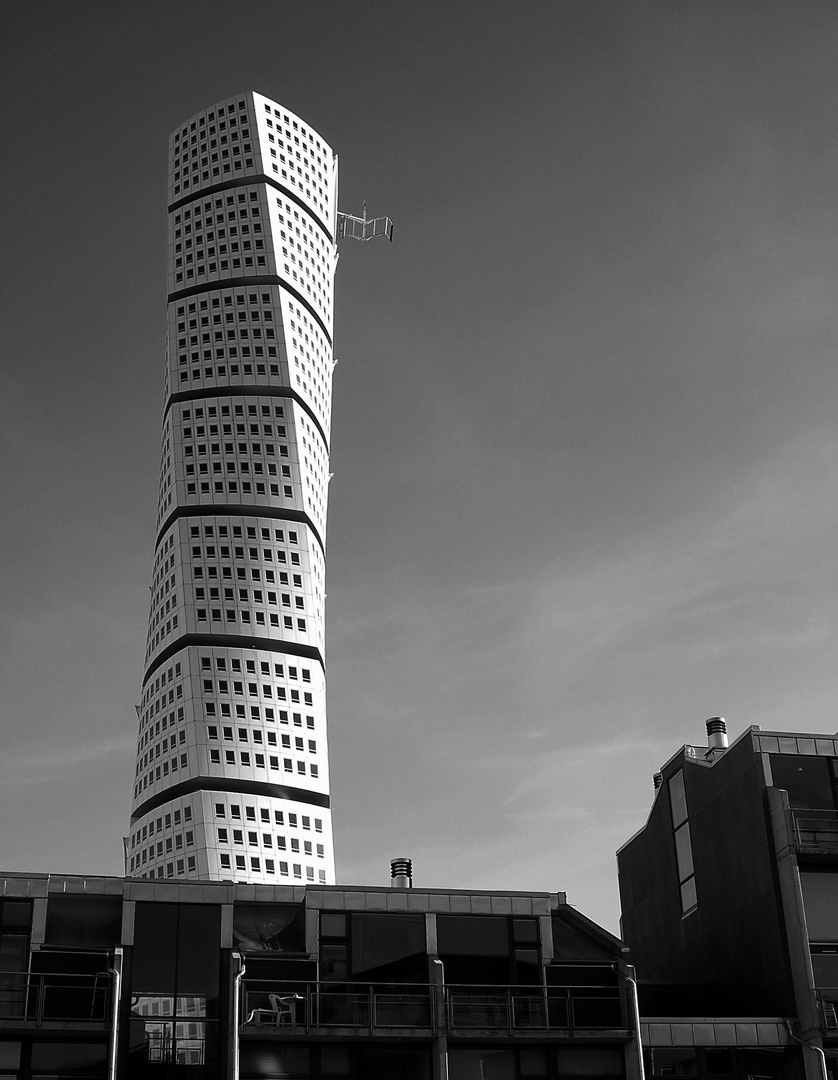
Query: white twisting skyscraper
[[232, 772]]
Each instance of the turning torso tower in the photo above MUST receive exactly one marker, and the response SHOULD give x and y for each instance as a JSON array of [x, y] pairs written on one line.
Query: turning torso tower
[[232, 773]]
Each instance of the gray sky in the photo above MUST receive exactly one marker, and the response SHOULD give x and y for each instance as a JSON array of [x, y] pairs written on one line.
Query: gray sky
[[583, 438]]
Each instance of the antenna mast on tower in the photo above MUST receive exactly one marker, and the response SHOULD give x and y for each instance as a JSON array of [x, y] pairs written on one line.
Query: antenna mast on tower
[[363, 228]]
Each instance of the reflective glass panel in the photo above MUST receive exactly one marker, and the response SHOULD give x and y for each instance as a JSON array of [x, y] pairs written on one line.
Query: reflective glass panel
[[678, 799], [806, 779]]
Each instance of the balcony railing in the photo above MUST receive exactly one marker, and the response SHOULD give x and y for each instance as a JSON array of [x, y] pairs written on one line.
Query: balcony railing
[[816, 828], [312, 1006], [375, 1008], [50, 998], [533, 1008]]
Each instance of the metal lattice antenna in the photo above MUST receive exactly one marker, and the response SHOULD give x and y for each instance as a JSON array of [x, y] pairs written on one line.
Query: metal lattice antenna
[[363, 228]]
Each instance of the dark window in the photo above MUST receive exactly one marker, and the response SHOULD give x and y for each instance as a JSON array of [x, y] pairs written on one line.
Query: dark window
[[373, 948], [474, 949], [15, 920], [174, 984], [269, 1062], [389, 948], [573, 1061], [70, 1058], [91, 922], [806, 779], [272, 928]]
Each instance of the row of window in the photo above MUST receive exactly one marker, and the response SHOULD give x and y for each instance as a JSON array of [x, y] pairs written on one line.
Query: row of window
[[222, 266], [254, 449], [271, 867], [303, 821], [267, 690], [153, 730], [160, 772], [257, 761], [201, 122], [162, 824], [176, 842], [266, 840], [184, 154], [210, 253], [245, 735], [158, 749], [238, 410], [231, 333], [213, 302], [217, 172], [172, 869]]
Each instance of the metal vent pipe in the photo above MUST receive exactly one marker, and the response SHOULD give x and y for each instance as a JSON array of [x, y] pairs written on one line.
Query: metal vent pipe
[[717, 733], [401, 873]]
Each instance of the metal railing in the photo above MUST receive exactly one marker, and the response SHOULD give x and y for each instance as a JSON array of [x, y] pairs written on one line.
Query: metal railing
[[298, 1006], [533, 1008], [55, 998], [816, 828], [303, 1007]]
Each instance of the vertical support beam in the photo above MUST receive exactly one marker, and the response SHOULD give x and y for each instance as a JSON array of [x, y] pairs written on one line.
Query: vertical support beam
[[794, 920]]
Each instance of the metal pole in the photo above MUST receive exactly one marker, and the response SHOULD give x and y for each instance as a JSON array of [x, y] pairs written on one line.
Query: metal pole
[[113, 1049], [237, 985]]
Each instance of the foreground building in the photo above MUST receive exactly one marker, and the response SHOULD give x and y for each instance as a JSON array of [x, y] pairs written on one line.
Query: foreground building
[[729, 892], [107, 978], [232, 775]]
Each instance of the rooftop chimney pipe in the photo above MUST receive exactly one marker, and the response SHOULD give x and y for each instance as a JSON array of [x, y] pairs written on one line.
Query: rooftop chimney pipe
[[716, 733], [401, 873], [657, 780]]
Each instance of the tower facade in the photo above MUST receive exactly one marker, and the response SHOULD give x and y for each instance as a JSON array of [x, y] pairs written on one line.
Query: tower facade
[[232, 774]]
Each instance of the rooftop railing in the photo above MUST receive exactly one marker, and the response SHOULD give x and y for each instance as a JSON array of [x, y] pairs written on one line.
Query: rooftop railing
[[46, 998]]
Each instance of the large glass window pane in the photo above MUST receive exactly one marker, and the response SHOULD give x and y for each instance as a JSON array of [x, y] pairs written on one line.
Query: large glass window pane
[[825, 966], [525, 931], [9, 1055], [533, 1061], [480, 1063], [15, 914], [590, 1061], [155, 949], [199, 944], [677, 799], [820, 898], [261, 1061], [269, 928], [79, 1059], [527, 967], [666, 1061], [90, 922], [14, 952], [474, 948], [150, 1043], [689, 897], [388, 948], [684, 852], [385, 1064], [806, 779], [334, 1061], [332, 925]]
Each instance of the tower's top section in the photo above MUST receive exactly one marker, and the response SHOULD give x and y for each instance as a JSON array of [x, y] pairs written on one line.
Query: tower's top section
[[250, 137]]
